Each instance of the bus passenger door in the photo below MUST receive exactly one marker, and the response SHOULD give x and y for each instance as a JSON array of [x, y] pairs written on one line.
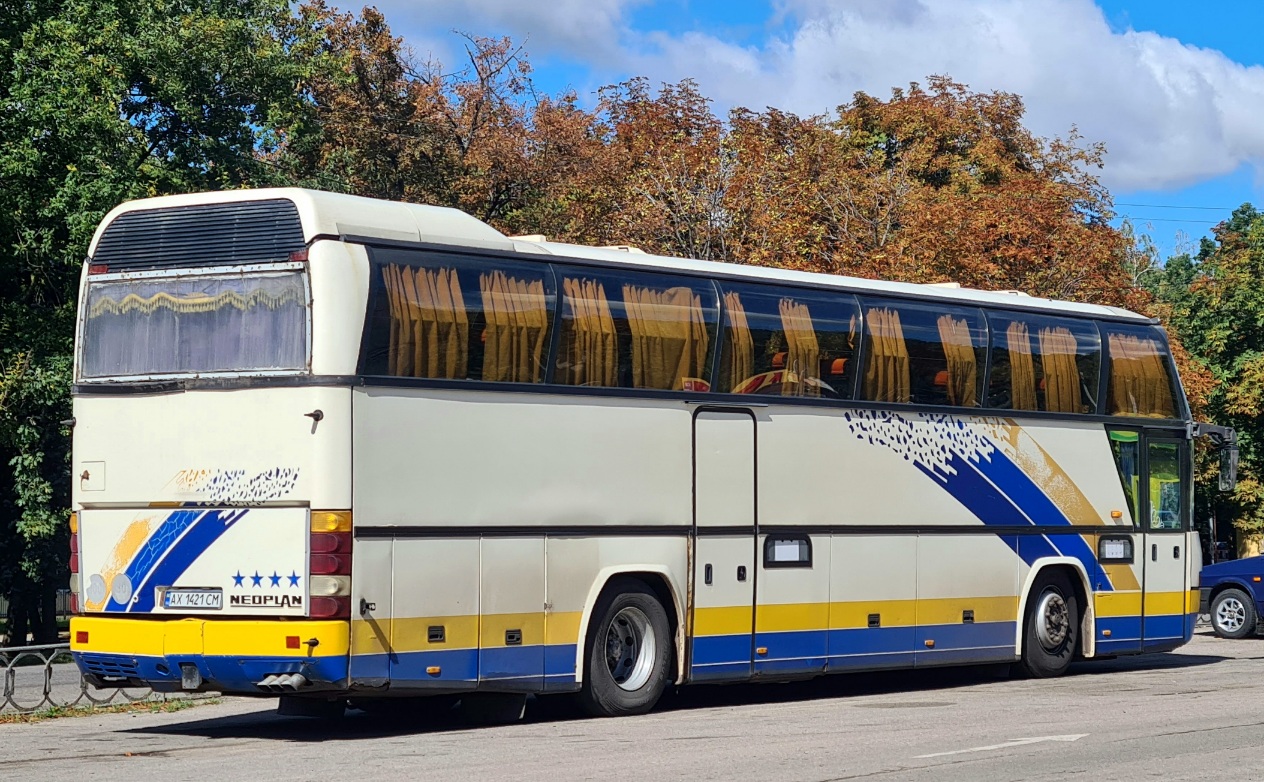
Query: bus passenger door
[[1165, 519], [724, 544]]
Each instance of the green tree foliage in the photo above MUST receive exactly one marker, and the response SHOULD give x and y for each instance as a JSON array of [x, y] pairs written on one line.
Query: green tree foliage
[[102, 101], [1214, 302]]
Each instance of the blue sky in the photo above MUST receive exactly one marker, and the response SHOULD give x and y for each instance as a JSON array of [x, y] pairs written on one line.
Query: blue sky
[[1175, 89]]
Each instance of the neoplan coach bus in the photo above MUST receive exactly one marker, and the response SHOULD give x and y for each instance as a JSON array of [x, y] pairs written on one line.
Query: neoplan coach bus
[[334, 448]]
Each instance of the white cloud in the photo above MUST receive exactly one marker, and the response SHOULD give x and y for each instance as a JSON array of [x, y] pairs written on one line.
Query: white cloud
[[1170, 114], [588, 29]]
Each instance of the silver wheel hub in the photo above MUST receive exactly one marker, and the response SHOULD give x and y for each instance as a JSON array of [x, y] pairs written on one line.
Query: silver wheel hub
[[1230, 615], [1053, 621], [630, 648]]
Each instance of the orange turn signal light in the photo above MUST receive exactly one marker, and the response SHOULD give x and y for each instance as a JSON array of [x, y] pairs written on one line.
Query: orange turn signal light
[[331, 521]]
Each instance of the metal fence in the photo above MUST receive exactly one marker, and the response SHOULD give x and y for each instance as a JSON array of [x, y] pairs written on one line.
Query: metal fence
[[63, 605], [37, 678]]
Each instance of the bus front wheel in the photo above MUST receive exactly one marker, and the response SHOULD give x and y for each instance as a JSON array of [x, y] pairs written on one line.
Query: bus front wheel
[[1052, 626], [629, 651]]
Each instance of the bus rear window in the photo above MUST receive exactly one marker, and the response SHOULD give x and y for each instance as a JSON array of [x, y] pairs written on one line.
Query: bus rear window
[[241, 323]]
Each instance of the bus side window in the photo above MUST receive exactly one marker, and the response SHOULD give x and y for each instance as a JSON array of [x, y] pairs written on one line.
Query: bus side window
[[924, 355], [647, 331], [788, 343], [452, 318], [1139, 380], [1040, 363]]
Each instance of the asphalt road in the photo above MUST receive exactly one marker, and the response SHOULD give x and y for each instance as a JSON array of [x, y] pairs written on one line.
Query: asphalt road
[[1194, 714]]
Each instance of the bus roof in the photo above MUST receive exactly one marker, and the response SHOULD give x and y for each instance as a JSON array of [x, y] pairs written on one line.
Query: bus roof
[[335, 214]]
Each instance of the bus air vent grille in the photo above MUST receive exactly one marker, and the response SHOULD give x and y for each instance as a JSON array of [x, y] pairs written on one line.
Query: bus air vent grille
[[110, 667], [202, 235]]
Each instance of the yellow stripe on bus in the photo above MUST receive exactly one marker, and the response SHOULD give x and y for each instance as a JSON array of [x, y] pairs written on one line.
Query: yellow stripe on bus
[[1112, 604], [156, 638], [412, 634]]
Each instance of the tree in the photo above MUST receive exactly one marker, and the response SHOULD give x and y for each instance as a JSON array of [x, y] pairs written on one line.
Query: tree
[[1214, 302], [101, 102]]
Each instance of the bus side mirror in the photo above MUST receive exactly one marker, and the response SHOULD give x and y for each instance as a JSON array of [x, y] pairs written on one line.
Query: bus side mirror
[[1228, 468]]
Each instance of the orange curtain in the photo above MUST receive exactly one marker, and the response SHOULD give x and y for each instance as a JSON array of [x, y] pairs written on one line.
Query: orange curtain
[[517, 328], [738, 361], [1021, 368], [589, 351], [963, 373], [429, 325], [1139, 383], [669, 336], [887, 368], [801, 376], [1061, 375]]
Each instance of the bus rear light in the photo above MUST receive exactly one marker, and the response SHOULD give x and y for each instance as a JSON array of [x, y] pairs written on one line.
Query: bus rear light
[[74, 601], [331, 521], [330, 586], [331, 608], [298, 255], [330, 564], [74, 563], [98, 268], [331, 542]]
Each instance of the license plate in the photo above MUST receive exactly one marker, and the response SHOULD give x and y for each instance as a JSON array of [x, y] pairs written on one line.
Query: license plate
[[194, 599]]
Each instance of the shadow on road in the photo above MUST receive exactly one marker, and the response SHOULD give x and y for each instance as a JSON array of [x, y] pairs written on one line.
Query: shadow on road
[[266, 724]]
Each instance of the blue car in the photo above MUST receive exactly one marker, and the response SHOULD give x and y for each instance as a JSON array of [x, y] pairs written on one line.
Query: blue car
[[1232, 592]]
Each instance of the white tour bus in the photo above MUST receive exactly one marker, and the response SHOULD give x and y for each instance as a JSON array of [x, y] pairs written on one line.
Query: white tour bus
[[333, 448]]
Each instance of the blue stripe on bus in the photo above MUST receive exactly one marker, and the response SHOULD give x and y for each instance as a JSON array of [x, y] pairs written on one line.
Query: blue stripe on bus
[[179, 540], [225, 673], [1164, 628], [552, 666], [816, 650]]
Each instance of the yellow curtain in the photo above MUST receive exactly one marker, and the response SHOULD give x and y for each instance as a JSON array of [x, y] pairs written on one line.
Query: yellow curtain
[[517, 328], [1022, 370], [887, 369], [1061, 375], [738, 361], [803, 351], [669, 336], [963, 373], [429, 326], [589, 348], [1139, 384]]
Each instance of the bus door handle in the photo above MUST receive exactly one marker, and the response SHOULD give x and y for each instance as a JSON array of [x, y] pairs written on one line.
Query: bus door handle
[[366, 607], [1154, 552], [1176, 552]]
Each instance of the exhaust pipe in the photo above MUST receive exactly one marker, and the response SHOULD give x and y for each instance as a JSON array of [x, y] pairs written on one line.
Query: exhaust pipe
[[283, 682]]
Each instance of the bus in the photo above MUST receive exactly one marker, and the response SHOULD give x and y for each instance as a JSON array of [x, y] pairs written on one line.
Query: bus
[[343, 450]]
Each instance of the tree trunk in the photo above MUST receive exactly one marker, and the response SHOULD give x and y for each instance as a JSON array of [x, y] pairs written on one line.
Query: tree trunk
[[45, 624]]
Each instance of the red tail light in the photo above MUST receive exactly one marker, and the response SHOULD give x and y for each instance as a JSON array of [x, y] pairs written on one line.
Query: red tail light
[[329, 568], [74, 563], [98, 268], [331, 607]]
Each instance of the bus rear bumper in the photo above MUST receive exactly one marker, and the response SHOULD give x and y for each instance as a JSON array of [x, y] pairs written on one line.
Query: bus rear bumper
[[195, 655]]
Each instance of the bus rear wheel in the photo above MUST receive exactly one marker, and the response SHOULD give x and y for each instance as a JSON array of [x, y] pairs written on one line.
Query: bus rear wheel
[[1052, 626], [629, 651]]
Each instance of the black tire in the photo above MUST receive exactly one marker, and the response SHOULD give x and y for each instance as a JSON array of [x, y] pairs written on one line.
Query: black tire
[[1051, 623], [629, 651], [1233, 614]]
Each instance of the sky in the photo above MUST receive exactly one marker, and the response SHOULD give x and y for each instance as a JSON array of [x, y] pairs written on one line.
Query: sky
[[1173, 88]]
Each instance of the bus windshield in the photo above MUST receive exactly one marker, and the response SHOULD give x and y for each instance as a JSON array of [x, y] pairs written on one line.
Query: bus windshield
[[240, 323]]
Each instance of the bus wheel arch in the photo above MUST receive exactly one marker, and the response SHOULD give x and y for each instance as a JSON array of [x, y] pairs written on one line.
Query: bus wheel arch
[[628, 650], [658, 580], [1055, 618]]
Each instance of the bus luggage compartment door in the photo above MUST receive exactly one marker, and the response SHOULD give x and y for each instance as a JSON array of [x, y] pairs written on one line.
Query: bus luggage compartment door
[[724, 544]]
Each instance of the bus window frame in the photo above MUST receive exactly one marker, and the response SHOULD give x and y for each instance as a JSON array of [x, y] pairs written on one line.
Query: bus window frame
[[720, 278], [197, 271]]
